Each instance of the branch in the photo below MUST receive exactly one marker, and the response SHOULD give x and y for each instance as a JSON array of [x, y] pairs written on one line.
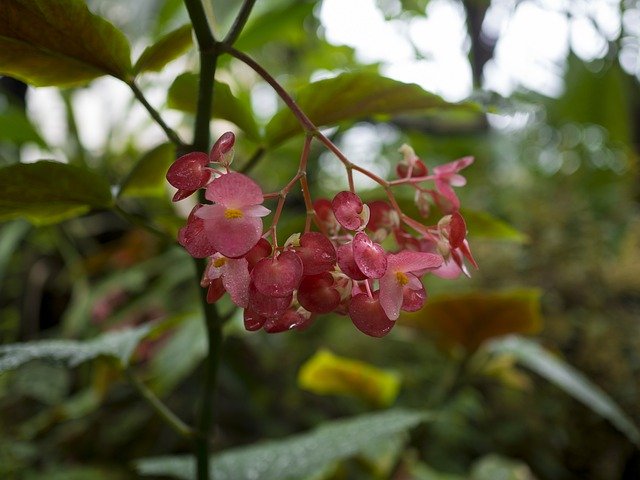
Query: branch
[[239, 23], [160, 408], [173, 136]]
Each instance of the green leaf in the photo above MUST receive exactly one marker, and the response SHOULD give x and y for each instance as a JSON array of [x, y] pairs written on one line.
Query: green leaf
[[167, 48], [564, 376], [48, 192], [183, 95], [294, 457], [485, 226], [351, 96], [16, 128], [118, 345], [59, 42], [147, 178]]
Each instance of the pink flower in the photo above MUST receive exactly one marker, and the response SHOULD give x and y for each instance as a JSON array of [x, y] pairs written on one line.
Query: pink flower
[[446, 176], [400, 276], [234, 273], [233, 224]]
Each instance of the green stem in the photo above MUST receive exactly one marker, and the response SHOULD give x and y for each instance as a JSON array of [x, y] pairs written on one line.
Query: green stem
[[171, 134], [214, 338], [139, 221], [160, 408], [213, 323], [239, 23]]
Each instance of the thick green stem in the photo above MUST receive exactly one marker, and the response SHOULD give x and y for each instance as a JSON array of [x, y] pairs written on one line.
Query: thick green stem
[[201, 140]]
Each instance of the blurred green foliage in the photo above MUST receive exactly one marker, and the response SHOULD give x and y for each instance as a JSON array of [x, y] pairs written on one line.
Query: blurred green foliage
[[553, 213]]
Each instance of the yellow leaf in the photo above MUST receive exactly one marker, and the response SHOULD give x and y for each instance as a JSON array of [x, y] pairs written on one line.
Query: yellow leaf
[[469, 319], [329, 374]]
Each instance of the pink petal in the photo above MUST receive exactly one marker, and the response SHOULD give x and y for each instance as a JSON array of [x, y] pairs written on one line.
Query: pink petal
[[236, 280], [234, 190], [457, 180], [347, 208], [280, 276], [407, 261], [453, 167], [457, 230], [232, 237], [447, 192], [391, 295], [413, 298], [368, 316], [189, 172], [370, 257], [347, 263], [255, 211], [194, 239], [448, 270], [223, 145]]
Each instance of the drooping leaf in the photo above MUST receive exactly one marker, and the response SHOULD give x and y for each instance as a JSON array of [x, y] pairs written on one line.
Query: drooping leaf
[[469, 319], [167, 48], [47, 192], [555, 370], [16, 128], [118, 345], [483, 225], [329, 374], [59, 42], [183, 95], [296, 456], [147, 178], [351, 96]]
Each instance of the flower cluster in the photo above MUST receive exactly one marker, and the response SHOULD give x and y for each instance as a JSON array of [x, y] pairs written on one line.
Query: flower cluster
[[342, 267]]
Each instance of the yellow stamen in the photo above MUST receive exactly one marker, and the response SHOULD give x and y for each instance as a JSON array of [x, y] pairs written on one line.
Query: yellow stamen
[[402, 278], [218, 262], [233, 213]]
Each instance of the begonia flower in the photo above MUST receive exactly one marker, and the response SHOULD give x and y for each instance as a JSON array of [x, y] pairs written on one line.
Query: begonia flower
[[400, 274], [233, 223]]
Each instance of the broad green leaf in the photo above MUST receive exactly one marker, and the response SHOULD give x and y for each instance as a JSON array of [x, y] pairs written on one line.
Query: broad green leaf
[[48, 192], [555, 370], [59, 42], [329, 374], [167, 48], [351, 96], [469, 319], [281, 22], [485, 226], [296, 456], [16, 128], [118, 345], [147, 178], [183, 95]]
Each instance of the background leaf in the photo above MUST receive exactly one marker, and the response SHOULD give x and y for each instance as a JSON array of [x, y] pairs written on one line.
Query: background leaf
[[47, 192], [564, 376], [118, 345], [59, 42], [147, 178], [469, 319], [296, 456], [167, 48], [350, 96], [183, 95], [483, 225], [16, 127], [326, 374]]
